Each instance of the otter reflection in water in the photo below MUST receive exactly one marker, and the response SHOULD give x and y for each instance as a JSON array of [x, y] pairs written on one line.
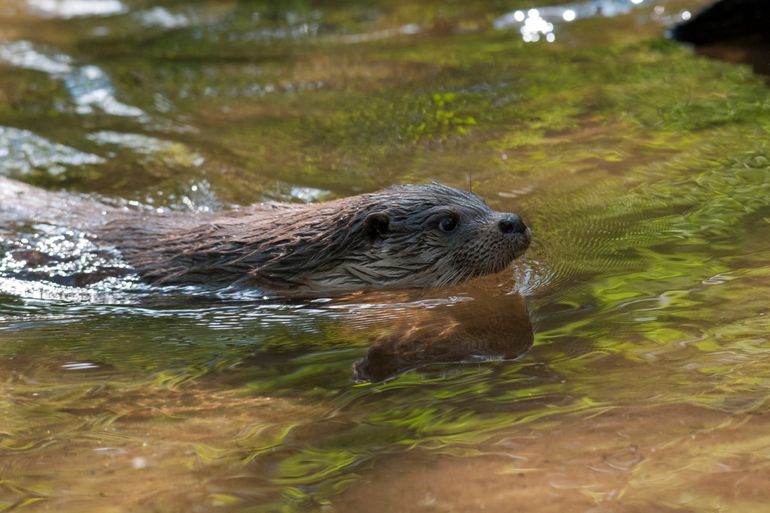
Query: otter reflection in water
[[411, 236], [408, 236], [488, 328]]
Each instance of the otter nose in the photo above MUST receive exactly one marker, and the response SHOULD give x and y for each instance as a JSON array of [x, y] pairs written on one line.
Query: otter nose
[[512, 223]]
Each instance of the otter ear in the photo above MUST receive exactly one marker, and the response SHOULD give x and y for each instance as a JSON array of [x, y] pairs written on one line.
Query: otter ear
[[376, 225]]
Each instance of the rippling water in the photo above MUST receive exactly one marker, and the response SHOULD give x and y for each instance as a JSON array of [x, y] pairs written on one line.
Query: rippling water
[[621, 365]]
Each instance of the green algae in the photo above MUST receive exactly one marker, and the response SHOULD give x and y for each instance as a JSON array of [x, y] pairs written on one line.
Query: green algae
[[643, 169]]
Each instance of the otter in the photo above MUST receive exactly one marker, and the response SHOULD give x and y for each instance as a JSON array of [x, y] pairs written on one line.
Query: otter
[[404, 236]]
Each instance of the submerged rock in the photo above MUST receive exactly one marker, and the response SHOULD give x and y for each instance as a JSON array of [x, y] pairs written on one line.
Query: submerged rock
[[731, 30]]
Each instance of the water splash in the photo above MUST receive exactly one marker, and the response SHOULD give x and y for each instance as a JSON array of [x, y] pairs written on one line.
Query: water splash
[[51, 261]]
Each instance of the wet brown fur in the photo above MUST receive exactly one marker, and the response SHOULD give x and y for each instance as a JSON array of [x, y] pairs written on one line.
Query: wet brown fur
[[382, 240], [386, 239]]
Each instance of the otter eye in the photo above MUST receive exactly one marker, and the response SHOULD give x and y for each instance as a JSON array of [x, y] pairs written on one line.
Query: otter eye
[[376, 225], [447, 224]]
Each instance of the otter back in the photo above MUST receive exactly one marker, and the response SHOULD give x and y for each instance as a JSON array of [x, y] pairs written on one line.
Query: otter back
[[400, 237]]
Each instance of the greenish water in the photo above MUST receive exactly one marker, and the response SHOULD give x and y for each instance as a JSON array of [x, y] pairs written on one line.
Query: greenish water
[[643, 169]]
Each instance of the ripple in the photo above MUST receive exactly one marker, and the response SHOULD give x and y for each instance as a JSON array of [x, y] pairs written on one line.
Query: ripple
[[162, 17], [21, 152], [90, 88], [77, 8], [169, 152], [538, 23], [47, 261]]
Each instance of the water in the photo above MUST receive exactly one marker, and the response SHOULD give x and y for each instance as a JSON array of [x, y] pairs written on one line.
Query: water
[[622, 365]]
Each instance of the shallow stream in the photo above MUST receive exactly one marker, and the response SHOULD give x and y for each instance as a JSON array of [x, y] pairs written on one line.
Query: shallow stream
[[628, 368]]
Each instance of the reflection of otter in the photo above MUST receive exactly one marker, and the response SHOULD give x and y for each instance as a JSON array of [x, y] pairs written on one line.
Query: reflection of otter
[[481, 329], [400, 237]]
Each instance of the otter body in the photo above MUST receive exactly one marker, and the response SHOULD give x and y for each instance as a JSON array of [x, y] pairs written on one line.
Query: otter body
[[400, 237]]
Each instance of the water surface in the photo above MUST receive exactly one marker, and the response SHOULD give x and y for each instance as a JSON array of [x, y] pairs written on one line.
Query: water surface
[[627, 368]]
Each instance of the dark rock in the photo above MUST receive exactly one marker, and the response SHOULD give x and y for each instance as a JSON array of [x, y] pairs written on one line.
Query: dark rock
[[724, 20]]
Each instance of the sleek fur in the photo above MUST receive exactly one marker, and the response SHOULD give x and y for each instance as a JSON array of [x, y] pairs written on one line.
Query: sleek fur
[[388, 239]]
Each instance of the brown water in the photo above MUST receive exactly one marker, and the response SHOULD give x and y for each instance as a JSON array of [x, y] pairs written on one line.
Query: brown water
[[623, 365]]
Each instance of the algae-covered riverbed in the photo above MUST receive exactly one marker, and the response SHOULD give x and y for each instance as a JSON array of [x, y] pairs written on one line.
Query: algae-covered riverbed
[[633, 334]]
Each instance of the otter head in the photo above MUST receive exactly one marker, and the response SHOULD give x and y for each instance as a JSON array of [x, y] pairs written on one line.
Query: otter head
[[404, 237]]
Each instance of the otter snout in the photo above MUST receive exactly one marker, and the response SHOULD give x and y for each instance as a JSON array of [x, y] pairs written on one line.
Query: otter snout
[[516, 232], [511, 223]]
